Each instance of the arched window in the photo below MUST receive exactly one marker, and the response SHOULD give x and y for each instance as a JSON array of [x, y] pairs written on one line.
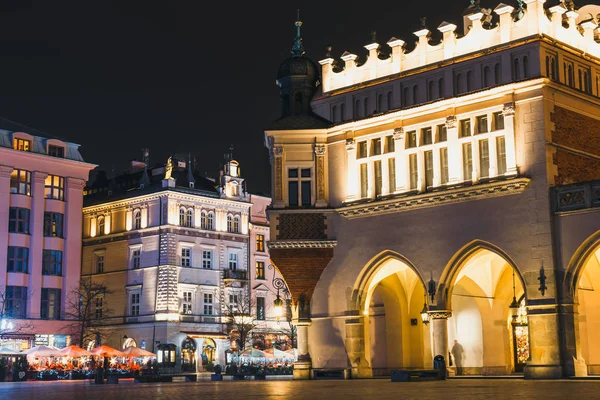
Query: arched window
[[380, 103], [497, 74], [430, 94], [210, 221], [236, 224], [441, 92], [516, 69], [229, 223], [415, 94], [137, 219], [390, 101], [553, 70], [525, 67], [487, 76], [406, 97], [182, 216], [366, 104], [298, 103], [571, 76], [548, 72], [342, 112], [586, 82], [203, 220], [470, 82], [580, 78], [189, 218], [101, 225]]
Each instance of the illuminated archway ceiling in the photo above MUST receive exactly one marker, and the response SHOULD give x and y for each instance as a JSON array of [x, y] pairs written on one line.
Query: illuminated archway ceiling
[[407, 277], [591, 272]]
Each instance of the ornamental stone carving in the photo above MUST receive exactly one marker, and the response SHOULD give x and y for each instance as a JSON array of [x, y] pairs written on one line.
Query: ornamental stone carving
[[350, 144], [320, 149], [440, 314], [398, 134], [278, 177], [451, 122], [278, 151], [509, 109]]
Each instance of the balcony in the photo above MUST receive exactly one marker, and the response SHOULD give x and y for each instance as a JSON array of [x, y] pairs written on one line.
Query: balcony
[[232, 275]]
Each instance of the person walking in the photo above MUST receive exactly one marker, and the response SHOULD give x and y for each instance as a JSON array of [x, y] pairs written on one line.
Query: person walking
[[458, 353]]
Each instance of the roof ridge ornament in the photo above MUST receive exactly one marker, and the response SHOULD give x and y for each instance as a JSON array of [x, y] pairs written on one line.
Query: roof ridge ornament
[[298, 48]]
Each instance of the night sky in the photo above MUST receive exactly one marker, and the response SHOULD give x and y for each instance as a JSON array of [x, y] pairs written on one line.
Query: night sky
[[178, 76]]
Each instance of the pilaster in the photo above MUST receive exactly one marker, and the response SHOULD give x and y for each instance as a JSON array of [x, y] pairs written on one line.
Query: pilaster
[[352, 184], [400, 160], [439, 332], [5, 203], [278, 176], [320, 152], [36, 231], [454, 151]]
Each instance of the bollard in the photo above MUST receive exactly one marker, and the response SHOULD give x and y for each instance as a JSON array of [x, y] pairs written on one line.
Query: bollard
[[439, 363]]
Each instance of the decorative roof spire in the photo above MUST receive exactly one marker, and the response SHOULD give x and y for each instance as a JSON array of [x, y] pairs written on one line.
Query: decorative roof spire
[[145, 180], [298, 48]]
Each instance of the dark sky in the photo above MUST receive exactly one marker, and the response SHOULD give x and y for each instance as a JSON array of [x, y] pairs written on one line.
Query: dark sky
[[178, 76]]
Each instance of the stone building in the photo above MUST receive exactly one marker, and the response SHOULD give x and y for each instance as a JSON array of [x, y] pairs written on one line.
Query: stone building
[[41, 184], [442, 200], [175, 249]]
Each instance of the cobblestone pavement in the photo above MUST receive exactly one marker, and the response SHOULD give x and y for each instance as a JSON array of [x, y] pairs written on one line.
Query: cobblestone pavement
[[486, 389]]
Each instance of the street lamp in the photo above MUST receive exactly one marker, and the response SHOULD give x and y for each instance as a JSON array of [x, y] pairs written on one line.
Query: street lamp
[[424, 311], [514, 306], [278, 284]]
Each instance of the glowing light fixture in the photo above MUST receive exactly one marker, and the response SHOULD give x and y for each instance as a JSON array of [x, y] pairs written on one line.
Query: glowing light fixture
[[424, 311], [278, 284], [514, 306]]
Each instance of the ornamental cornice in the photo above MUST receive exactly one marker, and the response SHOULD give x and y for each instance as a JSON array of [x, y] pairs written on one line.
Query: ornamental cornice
[[302, 244], [450, 196], [508, 109], [451, 122], [350, 144], [76, 183], [439, 314], [39, 176], [277, 151], [398, 133]]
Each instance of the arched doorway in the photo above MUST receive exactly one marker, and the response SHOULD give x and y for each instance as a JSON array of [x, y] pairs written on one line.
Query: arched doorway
[[392, 298], [129, 342], [487, 332], [209, 349], [188, 355], [587, 296]]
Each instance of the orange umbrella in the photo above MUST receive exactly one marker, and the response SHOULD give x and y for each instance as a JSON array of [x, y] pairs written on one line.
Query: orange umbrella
[[107, 351], [137, 352], [74, 351]]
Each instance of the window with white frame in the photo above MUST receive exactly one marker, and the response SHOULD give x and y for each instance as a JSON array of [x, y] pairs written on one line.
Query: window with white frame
[[376, 164], [203, 220], [299, 187], [186, 302], [229, 223], [186, 217], [233, 261], [99, 259], [134, 302], [236, 224], [186, 256], [208, 304], [210, 221], [137, 219], [233, 301], [136, 258], [207, 259]]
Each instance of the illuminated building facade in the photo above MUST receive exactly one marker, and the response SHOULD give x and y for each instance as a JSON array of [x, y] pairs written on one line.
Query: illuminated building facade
[[173, 248], [41, 184], [440, 201]]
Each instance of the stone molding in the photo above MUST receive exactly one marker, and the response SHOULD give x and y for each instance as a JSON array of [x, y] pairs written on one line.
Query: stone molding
[[278, 151], [302, 244], [76, 183], [508, 109], [439, 314], [39, 176], [5, 171], [451, 122], [350, 144], [320, 149], [398, 134], [426, 200]]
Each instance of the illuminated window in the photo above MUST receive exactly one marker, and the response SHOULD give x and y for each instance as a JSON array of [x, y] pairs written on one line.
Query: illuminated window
[[134, 303], [54, 187], [260, 242], [233, 261], [426, 136], [236, 224], [101, 226], [18, 220], [413, 170], [482, 124], [186, 256], [53, 224], [15, 303], [501, 154], [21, 144], [390, 144], [362, 150], [50, 307], [467, 162], [137, 219], [186, 217], [20, 182], [484, 159], [498, 118], [392, 175], [233, 301], [186, 303], [206, 220], [364, 181], [465, 128], [52, 262], [206, 259], [18, 259], [442, 133], [56, 151], [375, 147], [378, 178], [230, 223], [208, 304], [260, 308], [411, 139], [428, 155], [260, 270], [444, 165]]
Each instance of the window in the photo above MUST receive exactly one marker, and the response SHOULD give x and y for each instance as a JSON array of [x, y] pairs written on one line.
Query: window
[[206, 259], [299, 187], [53, 224], [501, 154], [465, 128], [209, 221], [376, 147], [392, 175], [50, 308], [186, 257], [208, 304], [484, 159], [467, 162], [203, 220], [260, 242], [390, 101], [482, 124], [260, 308], [189, 218], [380, 103], [236, 224], [56, 151], [378, 178], [230, 223], [98, 307], [413, 170], [18, 220], [362, 150], [444, 165], [364, 181], [411, 139], [260, 270], [390, 144], [426, 136], [52, 262], [54, 187], [134, 304], [428, 155], [342, 112], [233, 301], [18, 259], [136, 258], [498, 120], [186, 303], [101, 226], [20, 182], [15, 302], [442, 133], [233, 261], [99, 263], [185, 217], [21, 144], [137, 219]]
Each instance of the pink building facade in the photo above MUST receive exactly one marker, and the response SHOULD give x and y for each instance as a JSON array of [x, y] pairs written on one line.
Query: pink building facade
[[41, 184]]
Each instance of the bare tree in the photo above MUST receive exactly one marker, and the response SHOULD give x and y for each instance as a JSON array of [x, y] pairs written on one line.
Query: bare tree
[[240, 317], [87, 307], [13, 303], [290, 330]]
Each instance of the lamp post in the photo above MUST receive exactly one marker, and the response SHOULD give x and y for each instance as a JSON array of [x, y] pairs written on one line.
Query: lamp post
[[514, 306], [278, 284], [424, 311]]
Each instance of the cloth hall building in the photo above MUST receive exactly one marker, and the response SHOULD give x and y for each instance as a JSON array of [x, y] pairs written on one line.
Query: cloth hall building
[[444, 200]]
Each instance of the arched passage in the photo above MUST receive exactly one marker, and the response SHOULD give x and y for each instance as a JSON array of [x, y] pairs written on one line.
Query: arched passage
[[390, 297], [485, 335]]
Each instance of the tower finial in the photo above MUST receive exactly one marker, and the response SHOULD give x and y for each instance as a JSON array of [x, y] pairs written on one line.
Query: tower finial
[[298, 48]]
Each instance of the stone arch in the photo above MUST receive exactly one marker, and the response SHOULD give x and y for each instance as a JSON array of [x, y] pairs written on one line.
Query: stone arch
[[459, 259], [578, 262]]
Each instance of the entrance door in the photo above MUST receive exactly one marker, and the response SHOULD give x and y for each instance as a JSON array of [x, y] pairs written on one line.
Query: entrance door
[[521, 346]]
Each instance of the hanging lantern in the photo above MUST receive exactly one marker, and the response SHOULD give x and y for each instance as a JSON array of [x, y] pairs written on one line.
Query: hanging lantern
[[425, 315]]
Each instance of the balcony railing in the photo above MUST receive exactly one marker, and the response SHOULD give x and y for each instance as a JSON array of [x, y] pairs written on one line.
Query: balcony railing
[[576, 197], [235, 275]]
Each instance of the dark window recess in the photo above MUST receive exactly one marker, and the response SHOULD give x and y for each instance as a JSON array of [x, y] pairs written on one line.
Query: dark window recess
[[50, 308], [52, 262], [53, 224], [18, 220], [56, 151], [306, 193], [293, 193], [15, 302], [260, 308], [18, 259]]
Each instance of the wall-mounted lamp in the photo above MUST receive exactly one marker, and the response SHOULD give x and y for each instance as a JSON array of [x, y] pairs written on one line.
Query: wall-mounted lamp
[[542, 279], [431, 289]]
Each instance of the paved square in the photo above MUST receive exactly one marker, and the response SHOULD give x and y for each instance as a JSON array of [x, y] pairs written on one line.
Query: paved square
[[463, 389]]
